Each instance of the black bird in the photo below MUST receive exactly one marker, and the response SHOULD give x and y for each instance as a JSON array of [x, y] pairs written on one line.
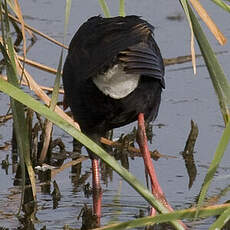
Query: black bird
[[114, 75]]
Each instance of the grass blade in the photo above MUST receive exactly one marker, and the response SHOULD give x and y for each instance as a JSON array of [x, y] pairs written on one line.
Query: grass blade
[[222, 4], [223, 143], [122, 8], [164, 218], [67, 14], [104, 8], [221, 221]]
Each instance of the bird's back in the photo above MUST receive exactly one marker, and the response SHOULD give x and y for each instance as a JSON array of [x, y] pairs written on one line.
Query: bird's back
[[105, 56]]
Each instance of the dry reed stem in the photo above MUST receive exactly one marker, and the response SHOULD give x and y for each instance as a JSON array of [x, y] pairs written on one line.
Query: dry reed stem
[[42, 95], [37, 65], [61, 91], [38, 32], [155, 154], [21, 20], [54, 172], [47, 138], [208, 21]]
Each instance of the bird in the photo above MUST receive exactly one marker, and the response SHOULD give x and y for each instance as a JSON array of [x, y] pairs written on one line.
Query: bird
[[113, 75]]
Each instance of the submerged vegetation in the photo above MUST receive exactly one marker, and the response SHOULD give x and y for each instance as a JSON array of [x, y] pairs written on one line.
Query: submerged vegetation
[[33, 119]]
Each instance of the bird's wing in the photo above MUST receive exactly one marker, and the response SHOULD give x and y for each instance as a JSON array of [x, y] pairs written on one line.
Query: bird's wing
[[144, 59], [99, 42]]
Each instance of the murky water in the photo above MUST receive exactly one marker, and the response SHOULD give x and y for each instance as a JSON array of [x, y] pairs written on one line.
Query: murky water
[[186, 97]]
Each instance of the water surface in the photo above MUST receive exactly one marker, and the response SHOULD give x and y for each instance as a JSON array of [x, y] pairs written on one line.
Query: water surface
[[186, 97]]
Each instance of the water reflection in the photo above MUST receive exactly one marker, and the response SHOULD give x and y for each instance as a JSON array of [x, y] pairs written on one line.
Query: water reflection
[[56, 195], [89, 220], [45, 180], [5, 164], [188, 153]]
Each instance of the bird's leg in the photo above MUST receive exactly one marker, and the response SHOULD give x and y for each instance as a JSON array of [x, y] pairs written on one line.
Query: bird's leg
[[156, 188], [97, 192], [142, 142]]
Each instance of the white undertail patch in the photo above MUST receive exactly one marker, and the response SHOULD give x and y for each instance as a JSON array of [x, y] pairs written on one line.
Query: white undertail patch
[[116, 83]]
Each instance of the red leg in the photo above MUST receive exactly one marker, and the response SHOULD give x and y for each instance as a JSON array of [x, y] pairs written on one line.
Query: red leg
[[96, 175], [142, 142], [97, 193]]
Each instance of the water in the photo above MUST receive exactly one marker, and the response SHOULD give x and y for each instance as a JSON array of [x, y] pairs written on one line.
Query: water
[[186, 97]]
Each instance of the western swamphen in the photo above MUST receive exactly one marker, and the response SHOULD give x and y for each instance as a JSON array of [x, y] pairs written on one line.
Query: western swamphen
[[114, 75]]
